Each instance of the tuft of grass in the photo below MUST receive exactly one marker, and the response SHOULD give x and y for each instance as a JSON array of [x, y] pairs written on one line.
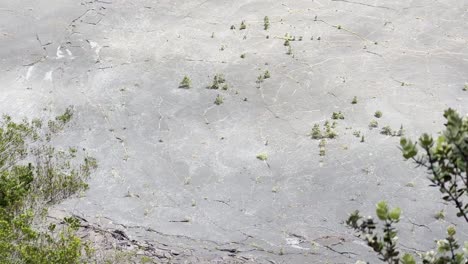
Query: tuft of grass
[[242, 25], [337, 115], [219, 100], [186, 83], [262, 156], [354, 101], [373, 124], [218, 80], [386, 130], [259, 79], [266, 23], [440, 215], [378, 114], [266, 75]]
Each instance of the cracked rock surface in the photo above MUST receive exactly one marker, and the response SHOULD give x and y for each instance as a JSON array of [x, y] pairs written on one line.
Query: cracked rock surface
[[180, 173]]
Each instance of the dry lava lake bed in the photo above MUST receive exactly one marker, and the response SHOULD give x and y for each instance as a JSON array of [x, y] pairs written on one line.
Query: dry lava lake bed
[[201, 115]]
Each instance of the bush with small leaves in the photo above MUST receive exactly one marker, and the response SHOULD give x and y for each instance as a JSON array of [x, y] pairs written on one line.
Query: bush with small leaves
[[218, 80], [186, 83], [337, 115], [378, 114], [34, 175], [373, 124], [386, 130], [446, 160]]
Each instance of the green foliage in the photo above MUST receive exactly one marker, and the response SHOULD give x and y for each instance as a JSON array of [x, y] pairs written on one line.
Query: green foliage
[[266, 23], [219, 100], [378, 114], [242, 25], [242, 56], [218, 81], [266, 75], [337, 115], [33, 175], [354, 101], [262, 156], [386, 130], [446, 158], [186, 83], [373, 124], [327, 131]]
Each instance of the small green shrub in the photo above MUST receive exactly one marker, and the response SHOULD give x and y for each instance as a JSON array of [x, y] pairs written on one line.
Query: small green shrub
[[373, 124], [262, 156], [218, 80], [386, 130], [266, 75], [186, 83], [378, 114], [242, 56], [354, 101], [337, 115], [242, 25], [219, 100]]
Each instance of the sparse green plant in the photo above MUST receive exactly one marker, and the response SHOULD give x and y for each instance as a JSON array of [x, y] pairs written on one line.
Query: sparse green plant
[[327, 131], [266, 75], [465, 87], [357, 133], [186, 83], [225, 87], [242, 56], [242, 25], [322, 144], [337, 115], [262, 156], [378, 114], [316, 132], [259, 79], [219, 100], [218, 80], [266, 23], [286, 43], [354, 101], [386, 130], [338, 27], [373, 124], [440, 215]]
